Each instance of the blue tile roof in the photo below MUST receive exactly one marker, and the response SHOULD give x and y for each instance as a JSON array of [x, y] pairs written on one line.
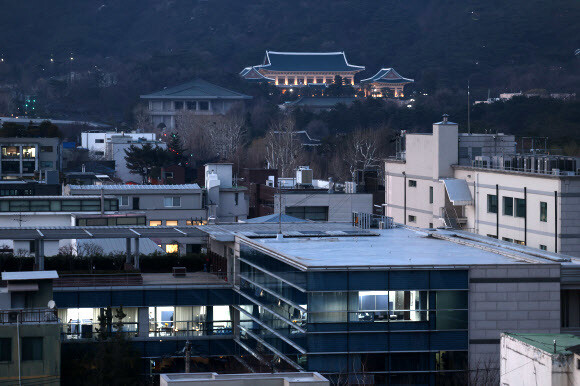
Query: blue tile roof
[[387, 75], [307, 61], [196, 89]]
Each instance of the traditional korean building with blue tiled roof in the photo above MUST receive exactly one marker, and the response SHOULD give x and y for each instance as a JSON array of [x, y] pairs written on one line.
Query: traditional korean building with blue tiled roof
[[386, 81], [296, 69]]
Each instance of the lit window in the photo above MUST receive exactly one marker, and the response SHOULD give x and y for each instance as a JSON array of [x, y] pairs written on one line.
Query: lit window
[[154, 223], [172, 248], [171, 202], [171, 223], [196, 222]]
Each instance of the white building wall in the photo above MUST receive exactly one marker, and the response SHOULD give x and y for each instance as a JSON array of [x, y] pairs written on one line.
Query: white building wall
[[89, 139], [523, 365]]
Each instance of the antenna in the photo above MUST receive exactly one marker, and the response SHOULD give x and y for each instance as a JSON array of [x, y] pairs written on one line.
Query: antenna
[[51, 304], [280, 209], [468, 109]]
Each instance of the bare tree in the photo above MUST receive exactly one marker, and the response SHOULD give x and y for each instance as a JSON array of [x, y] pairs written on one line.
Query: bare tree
[[361, 151], [142, 119], [283, 149], [226, 135]]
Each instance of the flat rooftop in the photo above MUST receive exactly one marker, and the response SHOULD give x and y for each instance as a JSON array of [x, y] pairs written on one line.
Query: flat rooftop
[[399, 247]]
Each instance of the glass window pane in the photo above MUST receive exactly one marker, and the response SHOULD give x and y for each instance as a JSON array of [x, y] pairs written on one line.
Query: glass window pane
[[520, 207], [543, 211], [508, 206], [31, 348]]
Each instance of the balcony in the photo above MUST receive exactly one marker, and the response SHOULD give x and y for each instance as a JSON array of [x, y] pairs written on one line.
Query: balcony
[[29, 316]]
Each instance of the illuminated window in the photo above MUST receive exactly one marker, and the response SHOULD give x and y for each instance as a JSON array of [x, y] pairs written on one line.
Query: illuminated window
[[154, 223], [172, 248], [196, 222], [171, 223], [28, 152]]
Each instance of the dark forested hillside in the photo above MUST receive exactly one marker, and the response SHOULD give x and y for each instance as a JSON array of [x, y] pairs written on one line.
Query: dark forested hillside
[[502, 45]]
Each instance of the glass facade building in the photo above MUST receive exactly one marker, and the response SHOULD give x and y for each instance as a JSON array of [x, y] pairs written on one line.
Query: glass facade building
[[381, 326]]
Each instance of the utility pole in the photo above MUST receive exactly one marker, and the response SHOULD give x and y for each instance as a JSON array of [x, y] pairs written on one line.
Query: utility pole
[[468, 109], [187, 356]]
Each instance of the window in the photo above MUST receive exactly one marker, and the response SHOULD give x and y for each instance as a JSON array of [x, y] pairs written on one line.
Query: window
[[196, 222], [191, 105], [451, 310], [491, 203], [543, 247], [46, 149], [519, 242], [543, 211], [154, 223], [124, 200], [236, 198], [171, 223], [5, 349], [507, 239], [171, 202], [430, 225], [520, 207], [376, 306], [99, 141], [204, 105], [28, 152], [178, 105], [412, 218], [412, 184], [314, 213], [430, 194], [46, 164], [508, 206], [492, 236], [172, 248], [99, 153], [32, 349]]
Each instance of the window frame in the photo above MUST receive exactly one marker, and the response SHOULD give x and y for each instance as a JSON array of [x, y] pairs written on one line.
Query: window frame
[[518, 208], [173, 199], [28, 351], [543, 211], [490, 203], [412, 183], [504, 201], [430, 194]]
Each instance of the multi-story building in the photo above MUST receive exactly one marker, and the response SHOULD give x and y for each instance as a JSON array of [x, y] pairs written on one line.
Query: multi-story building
[[198, 97], [116, 148], [478, 182], [29, 329], [299, 69], [29, 157], [386, 306], [96, 141], [322, 205]]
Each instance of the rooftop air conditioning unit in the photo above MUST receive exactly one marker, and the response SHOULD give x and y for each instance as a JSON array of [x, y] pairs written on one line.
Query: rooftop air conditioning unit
[[556, 172], [482, 161], [304, 175]]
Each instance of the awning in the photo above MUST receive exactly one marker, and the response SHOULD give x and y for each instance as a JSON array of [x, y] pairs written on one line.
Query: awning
[[22, 287], [458, 191]]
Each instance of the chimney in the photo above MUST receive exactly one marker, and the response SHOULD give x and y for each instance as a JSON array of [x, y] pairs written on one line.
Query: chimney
[[445, 118]]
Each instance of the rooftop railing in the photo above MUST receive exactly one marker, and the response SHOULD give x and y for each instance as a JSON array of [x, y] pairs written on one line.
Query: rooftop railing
[[29, 316]]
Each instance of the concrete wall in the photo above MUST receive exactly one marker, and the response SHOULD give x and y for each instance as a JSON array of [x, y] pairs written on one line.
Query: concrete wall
[[510, 298], [227, 210], [340, 205], [522, 364], [47, 368], [88, 139]]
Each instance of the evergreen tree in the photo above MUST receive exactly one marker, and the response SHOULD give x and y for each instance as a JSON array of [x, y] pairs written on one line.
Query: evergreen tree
[[176, 150]]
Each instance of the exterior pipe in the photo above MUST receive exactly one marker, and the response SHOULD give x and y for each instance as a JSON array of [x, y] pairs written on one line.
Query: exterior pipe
[[556, 221], [497, 212], [526, 216], [404, 198]]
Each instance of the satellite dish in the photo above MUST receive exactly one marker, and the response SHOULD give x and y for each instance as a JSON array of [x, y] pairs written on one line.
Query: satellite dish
[[51, 304]]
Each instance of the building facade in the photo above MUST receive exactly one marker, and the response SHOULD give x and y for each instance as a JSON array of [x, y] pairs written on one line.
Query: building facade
[[320, 205], [387, 82], [299, 69], [480, 184], [198, 97], [96, 141], [28, 157]]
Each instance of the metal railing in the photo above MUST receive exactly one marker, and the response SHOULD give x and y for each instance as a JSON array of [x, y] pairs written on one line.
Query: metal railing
[[26, 316], [99, 280]]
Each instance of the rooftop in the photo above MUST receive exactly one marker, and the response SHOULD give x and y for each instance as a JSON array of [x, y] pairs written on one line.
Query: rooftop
[[387, 75], [400, 247], [307, 61], [29, 275], [136, 187], [196, 89], [274, 218], [545, 342]]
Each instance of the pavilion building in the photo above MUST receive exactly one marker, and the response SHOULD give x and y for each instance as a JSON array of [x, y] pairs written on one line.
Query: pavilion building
[[299, 69], [385, 82]]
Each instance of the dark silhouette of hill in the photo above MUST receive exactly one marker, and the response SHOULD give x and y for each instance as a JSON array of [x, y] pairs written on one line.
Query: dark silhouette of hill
[[438, 42]]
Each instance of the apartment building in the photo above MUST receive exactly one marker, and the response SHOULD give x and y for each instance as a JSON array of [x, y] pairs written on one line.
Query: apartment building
[[477, 182], [116, 148], [25, 158], [29, 329]]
